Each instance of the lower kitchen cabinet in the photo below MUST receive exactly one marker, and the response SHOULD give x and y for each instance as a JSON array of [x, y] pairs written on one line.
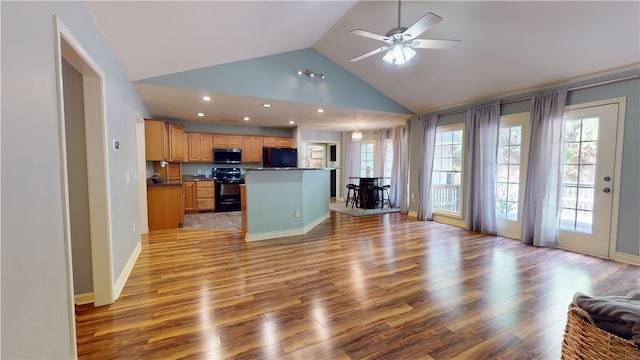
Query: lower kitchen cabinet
[[205, 195], [164, 206], [189, 191]]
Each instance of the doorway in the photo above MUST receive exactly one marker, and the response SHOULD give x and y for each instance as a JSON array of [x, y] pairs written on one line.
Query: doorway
[[319, 154], [591, 167], [68, 49]]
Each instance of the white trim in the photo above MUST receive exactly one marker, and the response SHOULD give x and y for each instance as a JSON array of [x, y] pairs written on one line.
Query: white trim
[[413, 214], [449, 220], [284, 233], [128, 268], [627, 258], [81, 299]]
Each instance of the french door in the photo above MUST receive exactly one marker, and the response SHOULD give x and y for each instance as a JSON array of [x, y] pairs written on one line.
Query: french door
[[588, 191]]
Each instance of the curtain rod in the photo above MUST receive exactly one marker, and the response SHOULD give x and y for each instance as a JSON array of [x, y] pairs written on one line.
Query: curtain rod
[[524, 98]]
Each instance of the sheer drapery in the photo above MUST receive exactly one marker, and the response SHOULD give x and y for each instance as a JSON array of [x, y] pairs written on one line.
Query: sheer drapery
[[351, 165], [427, 140], [543, 185], [381, 152], [399, 170], [483, 127]]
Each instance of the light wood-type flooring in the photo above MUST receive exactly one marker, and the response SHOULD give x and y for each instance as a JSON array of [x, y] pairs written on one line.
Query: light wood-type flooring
[[374, 287]]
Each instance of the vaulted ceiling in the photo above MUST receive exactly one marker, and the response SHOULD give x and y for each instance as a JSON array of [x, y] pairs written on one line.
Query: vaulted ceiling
[[245, 53]]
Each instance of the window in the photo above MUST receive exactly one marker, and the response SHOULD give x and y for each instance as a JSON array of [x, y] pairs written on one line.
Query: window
[[508, 176], [447, 169], [367, 153]]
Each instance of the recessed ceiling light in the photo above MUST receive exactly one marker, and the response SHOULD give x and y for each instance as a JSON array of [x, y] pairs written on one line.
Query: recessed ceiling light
[[200, 114], [206, 98], [246, 118], [320, 110], [291, 122], [266, 105]]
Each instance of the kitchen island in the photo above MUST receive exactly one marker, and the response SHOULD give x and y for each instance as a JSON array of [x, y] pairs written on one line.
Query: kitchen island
[[281, 202]]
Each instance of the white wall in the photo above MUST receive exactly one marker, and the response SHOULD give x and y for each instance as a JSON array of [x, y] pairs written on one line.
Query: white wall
[[35, 313]]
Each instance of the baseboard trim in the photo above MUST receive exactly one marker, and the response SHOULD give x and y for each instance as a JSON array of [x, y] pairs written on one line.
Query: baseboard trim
[[284, 233], [81, 299], [627, 258], [124, 275]]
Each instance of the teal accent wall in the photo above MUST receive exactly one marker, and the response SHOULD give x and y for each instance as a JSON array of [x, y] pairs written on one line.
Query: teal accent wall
[[275, 77], [315, 195]]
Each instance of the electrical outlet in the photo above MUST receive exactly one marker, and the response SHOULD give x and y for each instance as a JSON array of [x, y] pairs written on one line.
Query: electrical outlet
[[413, 197], [297, 214], [133, 223], [199, 171]]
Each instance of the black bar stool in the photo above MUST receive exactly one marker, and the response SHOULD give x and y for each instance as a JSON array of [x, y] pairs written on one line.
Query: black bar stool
[[382, 191], [353, 198]]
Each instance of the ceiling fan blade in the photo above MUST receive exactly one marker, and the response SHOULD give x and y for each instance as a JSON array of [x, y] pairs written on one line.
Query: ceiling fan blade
[[370, 53], [370, 35], [435, 44], [422, 25]]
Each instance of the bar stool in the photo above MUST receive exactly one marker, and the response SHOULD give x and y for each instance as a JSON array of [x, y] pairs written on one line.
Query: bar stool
[[352, 197], [382, 190]]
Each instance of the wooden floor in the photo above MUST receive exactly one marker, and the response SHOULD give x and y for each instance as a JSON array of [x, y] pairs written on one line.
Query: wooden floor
[[376, 287]]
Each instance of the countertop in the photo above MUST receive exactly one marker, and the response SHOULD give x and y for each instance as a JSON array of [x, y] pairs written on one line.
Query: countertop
[[286, 169], [196, 178]]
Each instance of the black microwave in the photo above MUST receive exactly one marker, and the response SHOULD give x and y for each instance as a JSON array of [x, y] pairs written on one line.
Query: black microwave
[[227, 156]]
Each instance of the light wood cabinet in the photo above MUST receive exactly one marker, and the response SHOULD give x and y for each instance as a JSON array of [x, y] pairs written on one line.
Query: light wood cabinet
[[154, 135], [172, 172], [200, 147], [277, 141], [227, 141], [165, 206], [251, 149], [205, 195], [176, 142], [163, 141], [189, 192]]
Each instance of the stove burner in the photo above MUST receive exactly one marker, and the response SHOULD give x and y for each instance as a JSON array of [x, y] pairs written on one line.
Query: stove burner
[[227, 175]]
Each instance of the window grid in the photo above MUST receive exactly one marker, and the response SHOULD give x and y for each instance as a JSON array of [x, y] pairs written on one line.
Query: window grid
[[508, 179], [367, 152], [579, 154], [388, 162], [447, 170]]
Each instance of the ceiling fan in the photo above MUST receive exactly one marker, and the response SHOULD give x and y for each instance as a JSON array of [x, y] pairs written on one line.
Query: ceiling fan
[[401, 41]]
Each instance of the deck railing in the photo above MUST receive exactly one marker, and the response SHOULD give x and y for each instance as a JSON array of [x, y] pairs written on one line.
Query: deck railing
[[446, 197]]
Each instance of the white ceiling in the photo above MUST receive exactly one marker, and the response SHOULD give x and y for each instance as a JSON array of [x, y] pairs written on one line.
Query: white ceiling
[[506, 48]]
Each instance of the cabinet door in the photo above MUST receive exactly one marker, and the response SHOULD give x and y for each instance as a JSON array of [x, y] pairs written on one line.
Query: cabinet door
[[220, 141], [189, 196], [195, 146], [269, 141], [174, 172], [251, 149], [206, 154], [176, 142], [285, 142], [234, 141], [154, 139]]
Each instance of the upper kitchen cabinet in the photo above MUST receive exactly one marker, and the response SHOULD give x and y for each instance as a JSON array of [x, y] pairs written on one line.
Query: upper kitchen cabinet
[[227, 141], [251, 149], [275, 141], [200, 146], [164, 141]]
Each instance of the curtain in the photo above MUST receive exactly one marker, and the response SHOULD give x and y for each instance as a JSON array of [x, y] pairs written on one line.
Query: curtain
[[399, 170], [351, 158], [483, 127], [427, 140], [543, 184], [381, 150]]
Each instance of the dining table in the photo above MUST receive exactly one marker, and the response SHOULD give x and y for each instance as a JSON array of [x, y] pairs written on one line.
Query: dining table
[[369, 196]]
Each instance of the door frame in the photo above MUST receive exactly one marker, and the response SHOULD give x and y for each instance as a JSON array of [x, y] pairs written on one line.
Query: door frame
[[617, 170], [67, 47]]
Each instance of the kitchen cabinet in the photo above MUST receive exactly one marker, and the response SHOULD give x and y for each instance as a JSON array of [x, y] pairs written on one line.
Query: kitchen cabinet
[[163, 141], [165, 206], [277, 141], [171, 172], [189, 194], [200, 147], [251, 149], [176, 142], [227, 141], [204, 195], [154, 139]]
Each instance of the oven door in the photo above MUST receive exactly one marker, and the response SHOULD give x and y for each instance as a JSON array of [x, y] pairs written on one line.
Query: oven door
[[227, 196]]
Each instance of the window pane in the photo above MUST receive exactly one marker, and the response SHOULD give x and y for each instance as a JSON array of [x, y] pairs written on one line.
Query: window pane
[[587, 175], [516, 135], [571, 153], [514, 154], [446, 177], [589, 152], [590, 129], [571, 130], [508, 172]]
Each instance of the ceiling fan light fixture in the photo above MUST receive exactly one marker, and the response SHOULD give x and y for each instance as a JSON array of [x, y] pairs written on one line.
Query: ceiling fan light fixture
[[399, 54], [356, 135]]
